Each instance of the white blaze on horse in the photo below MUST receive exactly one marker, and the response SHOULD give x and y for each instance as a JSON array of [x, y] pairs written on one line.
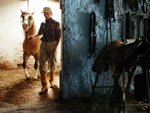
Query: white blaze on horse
[[30, 47]]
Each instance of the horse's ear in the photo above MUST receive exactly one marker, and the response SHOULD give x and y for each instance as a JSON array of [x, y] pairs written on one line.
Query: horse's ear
[[21, 11], [139, 41], [32, 13]]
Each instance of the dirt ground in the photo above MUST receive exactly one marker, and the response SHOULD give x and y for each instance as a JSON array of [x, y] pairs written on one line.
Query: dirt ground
[[18, 95], [15, 89]]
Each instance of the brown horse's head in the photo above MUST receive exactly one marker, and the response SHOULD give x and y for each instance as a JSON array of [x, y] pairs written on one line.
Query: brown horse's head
[[27, 20]]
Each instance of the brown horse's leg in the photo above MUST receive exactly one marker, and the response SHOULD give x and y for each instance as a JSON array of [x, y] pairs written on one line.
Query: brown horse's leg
[[130, 76], [36, 57], [25, 59], [48, 61], [95, 83]]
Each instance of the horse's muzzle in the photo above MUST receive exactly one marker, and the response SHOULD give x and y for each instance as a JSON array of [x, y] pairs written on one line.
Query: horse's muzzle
[[24, 26]]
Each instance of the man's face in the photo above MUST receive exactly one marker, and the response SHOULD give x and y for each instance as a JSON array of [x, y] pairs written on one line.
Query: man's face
[[47, 15]]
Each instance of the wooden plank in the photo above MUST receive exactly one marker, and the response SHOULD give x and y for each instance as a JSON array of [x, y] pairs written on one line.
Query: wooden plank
[[135, 105], [104, 86]]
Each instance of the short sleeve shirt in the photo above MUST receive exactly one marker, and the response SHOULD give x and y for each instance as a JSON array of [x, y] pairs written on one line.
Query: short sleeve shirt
[[50, 30]]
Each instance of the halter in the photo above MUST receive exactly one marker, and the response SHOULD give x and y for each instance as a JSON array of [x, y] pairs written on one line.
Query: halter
[[27, 22], [28, 19]]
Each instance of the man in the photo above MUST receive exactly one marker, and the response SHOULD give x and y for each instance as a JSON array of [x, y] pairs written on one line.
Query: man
[[50, 32]]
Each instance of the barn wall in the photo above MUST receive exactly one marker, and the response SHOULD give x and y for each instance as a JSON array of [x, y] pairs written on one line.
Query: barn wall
[[11, 33], [77, 79]]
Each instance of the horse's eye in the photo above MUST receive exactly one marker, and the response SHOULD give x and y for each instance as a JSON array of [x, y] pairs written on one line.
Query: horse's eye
[[30, 18], [22, 18]]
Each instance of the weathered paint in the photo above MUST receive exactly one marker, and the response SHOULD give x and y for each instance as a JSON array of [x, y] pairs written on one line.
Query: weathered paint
[[77, 79], [77, 75]]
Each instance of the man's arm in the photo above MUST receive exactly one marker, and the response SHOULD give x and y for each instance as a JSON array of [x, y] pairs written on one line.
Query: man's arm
[[58, 34], [39, 33], [57, 44]]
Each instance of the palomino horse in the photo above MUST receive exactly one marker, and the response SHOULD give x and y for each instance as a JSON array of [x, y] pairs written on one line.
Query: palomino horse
[[30, 47]]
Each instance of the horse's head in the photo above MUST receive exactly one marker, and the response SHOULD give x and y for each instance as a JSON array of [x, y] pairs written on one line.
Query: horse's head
[[27, 20], [141, 42]]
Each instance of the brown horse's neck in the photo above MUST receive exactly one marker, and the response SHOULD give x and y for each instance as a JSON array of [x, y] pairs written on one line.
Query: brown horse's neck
[[31, 31]]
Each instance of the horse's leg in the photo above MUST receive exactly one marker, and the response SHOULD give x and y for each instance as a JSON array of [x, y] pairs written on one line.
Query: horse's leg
[[48, 61], [113, 70], [116, 81], [116, 96], [95, 83], [130, 76], [36, 57], [25, 59]]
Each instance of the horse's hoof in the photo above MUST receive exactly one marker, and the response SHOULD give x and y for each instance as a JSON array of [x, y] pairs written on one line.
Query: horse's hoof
[[27, 76], [35, 77], [41, 93], [48, 71], [53, 86]]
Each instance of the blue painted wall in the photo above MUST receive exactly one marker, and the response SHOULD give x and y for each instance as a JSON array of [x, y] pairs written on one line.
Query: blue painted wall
[[77, 79]]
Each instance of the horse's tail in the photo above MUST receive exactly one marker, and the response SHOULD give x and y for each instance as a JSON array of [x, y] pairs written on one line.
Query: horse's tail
[[99, 65]]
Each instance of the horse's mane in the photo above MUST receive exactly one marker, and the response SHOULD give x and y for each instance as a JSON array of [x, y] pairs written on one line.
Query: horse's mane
[[31, 30]]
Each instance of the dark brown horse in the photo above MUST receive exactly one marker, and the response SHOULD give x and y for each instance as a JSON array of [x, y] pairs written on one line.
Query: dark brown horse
[[120, 56], [30, 47], [106, 57]]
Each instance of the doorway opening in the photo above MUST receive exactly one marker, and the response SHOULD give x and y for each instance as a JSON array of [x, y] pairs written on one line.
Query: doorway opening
[[14, 89]]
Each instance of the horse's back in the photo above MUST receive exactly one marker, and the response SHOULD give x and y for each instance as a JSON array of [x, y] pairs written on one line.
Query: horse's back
[[113, 46], [112, 50], [106, 56]]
